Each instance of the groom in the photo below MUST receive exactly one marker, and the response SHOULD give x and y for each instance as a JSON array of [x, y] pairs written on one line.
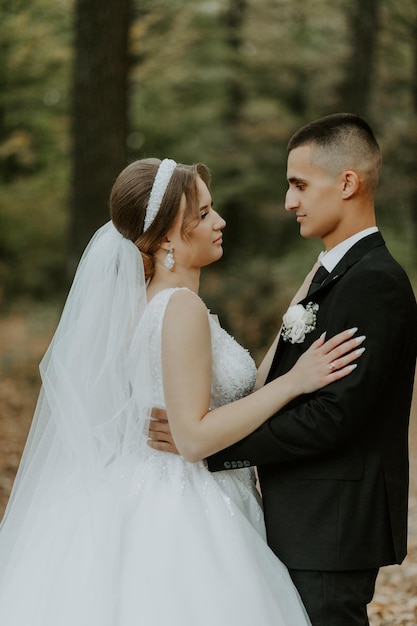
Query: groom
[[333, 465]]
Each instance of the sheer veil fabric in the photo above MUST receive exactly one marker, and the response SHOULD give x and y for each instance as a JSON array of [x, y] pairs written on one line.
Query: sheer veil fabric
[[87, 427]]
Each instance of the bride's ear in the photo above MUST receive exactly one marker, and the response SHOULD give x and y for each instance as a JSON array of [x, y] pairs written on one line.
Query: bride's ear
[[165, 244]]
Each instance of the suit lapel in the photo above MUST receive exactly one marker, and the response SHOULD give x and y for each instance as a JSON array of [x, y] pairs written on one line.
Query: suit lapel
[[352, 256]]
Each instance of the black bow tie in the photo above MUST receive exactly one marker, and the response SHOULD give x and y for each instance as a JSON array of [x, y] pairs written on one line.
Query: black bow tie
[[318, 279]]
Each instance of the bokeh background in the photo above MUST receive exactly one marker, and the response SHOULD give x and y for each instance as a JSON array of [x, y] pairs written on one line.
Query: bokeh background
[[88, 85]]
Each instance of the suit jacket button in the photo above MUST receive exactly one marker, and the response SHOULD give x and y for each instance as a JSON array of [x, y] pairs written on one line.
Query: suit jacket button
[[234, 465], [227, 465], [246, 463], [239, 464]]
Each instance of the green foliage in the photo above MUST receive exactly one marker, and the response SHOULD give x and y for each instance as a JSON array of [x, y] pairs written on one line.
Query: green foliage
[[33, 102], [201, 90], [34, 62], [32, 239]]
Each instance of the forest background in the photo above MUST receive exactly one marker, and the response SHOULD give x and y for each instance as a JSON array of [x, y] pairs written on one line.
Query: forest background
[[87, 86]]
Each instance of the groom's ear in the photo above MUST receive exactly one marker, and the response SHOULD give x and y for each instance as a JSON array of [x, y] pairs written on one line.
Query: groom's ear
[[350, 184]]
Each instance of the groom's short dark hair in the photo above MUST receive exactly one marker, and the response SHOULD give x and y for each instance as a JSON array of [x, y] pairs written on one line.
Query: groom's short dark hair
[[341, 141]]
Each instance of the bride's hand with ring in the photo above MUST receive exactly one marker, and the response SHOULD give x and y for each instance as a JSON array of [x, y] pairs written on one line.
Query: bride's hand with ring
[[327, 361]]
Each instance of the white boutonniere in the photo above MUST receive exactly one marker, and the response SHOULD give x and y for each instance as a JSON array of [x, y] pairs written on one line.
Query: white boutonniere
[[298, 321]]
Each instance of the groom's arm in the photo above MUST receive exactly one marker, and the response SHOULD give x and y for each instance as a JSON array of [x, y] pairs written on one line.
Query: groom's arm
[[313, 427]]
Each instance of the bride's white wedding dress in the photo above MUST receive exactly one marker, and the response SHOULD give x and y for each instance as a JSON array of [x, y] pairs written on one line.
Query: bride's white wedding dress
[[158, 541]]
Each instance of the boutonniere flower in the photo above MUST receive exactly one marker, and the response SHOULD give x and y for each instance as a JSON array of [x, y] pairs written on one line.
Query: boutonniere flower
[[298, 321]]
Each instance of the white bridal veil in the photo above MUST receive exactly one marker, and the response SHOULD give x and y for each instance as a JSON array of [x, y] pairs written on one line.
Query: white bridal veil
[[88, 424]]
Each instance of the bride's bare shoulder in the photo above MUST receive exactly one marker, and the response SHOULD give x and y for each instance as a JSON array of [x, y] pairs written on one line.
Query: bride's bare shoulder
[[186, 303], [186, 315]]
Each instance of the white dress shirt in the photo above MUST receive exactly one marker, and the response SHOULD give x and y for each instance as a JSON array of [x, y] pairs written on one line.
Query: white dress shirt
[[330, 259]]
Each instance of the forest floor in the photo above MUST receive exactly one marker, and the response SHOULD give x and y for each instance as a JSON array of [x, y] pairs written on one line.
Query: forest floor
[[23, 340]]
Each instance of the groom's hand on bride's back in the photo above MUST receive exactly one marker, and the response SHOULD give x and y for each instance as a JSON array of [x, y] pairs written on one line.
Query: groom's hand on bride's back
[[159, 432]]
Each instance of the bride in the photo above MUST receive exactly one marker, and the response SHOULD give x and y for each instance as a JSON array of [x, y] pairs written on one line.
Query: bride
[[102, 530]]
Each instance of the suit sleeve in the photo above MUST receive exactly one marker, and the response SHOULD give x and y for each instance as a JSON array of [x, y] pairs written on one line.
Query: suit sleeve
[[383, 308]]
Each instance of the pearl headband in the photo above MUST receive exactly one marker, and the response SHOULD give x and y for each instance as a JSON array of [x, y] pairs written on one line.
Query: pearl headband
[[159, 187]]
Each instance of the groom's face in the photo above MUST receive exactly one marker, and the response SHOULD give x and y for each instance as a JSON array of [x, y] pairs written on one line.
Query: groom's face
[[314, 196]]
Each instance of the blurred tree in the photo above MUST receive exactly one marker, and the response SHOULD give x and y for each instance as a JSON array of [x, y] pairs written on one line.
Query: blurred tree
[[4, 46], [359, 76], [393, 117], [99, 122], [233, 206], [34, 52], [414, 81], [296, 96], [234, 17], [414, 142], [32, 86]]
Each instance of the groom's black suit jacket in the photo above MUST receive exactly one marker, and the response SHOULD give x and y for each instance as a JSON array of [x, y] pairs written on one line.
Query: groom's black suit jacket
[[333, 465]]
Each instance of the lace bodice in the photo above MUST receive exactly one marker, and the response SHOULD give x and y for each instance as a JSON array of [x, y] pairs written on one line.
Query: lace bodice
[[233, 370]]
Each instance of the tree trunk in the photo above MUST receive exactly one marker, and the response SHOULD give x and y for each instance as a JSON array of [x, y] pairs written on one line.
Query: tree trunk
[[99, 115], [235, 94], [412, 174], [364, 26], [234, 16]]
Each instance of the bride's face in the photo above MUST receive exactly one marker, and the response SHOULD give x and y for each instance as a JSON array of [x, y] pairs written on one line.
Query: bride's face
[[204, 243]]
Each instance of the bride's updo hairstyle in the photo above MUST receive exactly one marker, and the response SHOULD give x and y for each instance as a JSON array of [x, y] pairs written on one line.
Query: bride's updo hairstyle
[[130, 196]]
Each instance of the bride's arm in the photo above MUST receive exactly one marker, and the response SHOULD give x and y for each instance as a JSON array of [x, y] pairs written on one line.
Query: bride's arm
[[266, 363], [186, 368]]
